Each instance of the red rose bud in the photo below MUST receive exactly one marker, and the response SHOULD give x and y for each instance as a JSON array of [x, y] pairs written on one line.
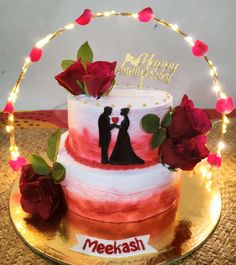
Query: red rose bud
[[146, 14], [9, 108], [17, 164], [225, 105], [184, 154], [214, 160], [99, 78], [35, 54], [39, 194], [199, 49], [70, 77], [85, 18], [188, 121]]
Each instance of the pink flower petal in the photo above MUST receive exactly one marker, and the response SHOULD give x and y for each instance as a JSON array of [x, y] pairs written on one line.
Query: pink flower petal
[[35, 54], [85, 18], [18, 163], [214, 160], [199, 49], [9, 108], [225, 105], [146, 14]]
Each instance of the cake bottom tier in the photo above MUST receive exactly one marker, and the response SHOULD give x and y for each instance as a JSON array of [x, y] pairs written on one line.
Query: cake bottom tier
[[118, 196]]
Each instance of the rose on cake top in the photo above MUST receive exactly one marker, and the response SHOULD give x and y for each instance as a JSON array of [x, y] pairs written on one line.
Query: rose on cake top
[[84, 76], [180, 136]]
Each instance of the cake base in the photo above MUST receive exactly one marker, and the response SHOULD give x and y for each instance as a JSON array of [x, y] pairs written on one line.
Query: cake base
[[174, 233]]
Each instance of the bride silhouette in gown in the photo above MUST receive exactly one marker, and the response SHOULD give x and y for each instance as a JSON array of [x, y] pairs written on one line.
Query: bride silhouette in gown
[[123, 153]]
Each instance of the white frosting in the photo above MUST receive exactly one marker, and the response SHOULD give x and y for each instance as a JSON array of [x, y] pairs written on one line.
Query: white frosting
[[125, 97], [122, 182]]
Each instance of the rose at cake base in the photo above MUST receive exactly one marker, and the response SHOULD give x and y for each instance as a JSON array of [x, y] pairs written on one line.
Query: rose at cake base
[[112, 172]]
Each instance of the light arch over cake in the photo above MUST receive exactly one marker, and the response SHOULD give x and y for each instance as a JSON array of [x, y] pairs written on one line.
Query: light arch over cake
[[224, 103]]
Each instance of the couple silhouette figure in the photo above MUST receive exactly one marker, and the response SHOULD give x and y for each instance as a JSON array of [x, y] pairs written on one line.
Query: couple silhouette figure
[[123, 153]]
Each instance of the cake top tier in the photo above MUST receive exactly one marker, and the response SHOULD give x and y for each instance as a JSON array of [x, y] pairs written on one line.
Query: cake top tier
[[128, 97]]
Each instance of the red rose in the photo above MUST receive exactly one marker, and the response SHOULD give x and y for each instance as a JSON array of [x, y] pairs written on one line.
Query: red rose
[[184, 154], [39, 194], [188, 121], [99, 78], [70, 77]]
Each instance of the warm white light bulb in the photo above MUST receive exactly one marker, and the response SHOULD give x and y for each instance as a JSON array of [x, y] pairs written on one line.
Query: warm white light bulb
[[135, 15], [189, 40], [226, 120], [174, 27], [107, 13], [27, 60], [216, 88], [8, 128], [221, 145], [11, 117], [69, 26], [210, 62], [44, 41], [223, 95], [212, 73]]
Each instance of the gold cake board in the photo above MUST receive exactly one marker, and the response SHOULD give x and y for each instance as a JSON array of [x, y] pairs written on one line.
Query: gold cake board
[[174, 234]]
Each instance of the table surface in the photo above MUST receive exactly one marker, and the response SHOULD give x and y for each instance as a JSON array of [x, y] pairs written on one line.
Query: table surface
[[31, 134]]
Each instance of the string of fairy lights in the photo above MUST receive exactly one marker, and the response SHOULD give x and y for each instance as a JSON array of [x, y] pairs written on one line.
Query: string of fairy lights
[[36, 53]]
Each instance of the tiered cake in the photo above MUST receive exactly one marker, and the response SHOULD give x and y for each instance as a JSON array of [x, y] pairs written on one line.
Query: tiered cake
[[112, 173]]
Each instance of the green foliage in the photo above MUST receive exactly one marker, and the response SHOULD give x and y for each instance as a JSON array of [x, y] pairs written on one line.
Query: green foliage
[[150, 123], [58, 172], [167, 119], [53, 145], [39, 165], [85, 53], [158, 138], [66, 63], [81, 85]]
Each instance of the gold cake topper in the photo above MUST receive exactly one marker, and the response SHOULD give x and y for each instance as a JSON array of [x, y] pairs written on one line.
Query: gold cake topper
[[146, 66]]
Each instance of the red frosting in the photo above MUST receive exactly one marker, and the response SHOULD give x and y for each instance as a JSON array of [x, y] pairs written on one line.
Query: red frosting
[[96, 153], [121, 212]]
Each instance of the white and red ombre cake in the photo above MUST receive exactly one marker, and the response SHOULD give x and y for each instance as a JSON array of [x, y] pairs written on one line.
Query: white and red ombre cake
[[116, 192]]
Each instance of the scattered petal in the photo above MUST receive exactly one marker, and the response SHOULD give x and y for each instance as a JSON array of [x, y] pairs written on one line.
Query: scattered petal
[[225, 105], [199, 49], [35, 54], [146, 14], [214, 160], [85, 18], [17, 164], [9, 108]]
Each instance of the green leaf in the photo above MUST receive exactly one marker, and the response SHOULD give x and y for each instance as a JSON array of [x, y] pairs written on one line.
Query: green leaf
[[53, 145], [58, 172], [158, 138], [167, 119], [66, 63], [81, 85], [85, 53], [39, 165], [150, 123], [86, 89]]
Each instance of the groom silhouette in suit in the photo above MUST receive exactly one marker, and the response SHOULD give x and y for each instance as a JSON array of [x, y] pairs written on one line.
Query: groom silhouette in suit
[[105, 128]]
